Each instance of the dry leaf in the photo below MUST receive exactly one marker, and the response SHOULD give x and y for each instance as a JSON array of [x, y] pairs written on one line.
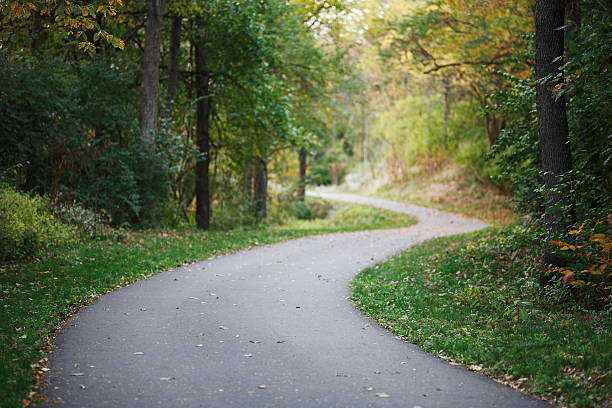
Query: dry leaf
[[382, 395], [262, 387], [138, 353]]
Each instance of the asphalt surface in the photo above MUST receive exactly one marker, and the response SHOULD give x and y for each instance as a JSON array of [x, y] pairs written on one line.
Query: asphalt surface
[[268, 327]]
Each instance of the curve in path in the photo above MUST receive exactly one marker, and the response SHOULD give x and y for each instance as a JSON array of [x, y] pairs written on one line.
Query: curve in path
[[267, 327]]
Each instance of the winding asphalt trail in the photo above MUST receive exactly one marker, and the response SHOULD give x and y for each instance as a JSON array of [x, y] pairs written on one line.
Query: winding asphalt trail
[[267, 327]]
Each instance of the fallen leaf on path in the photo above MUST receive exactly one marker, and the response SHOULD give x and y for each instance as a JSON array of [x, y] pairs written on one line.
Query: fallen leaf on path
[[138, 353], [247, 355], [475, 367], [166, 378], [382, 395], [370, 388], [82, 386], [254, 341], [223, 328], [341, 375], [199, 345], [262, 387], [77, 374]]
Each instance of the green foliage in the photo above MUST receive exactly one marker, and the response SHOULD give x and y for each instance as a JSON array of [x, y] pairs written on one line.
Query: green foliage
[[587, 94], [311, 209], [88, 223], [27, 226], [70, 132], [586, 250], [473, 300]]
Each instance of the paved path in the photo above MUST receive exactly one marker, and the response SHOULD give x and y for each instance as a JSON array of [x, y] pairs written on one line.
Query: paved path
[[268, 327]]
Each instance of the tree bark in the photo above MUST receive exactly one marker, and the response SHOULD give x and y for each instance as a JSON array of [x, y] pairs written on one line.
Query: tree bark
[[260, 187], [493, 125], [150, 74], [552, 124], [447, 109], [302, 181], [203, 211], [35, 30], [173, 68]]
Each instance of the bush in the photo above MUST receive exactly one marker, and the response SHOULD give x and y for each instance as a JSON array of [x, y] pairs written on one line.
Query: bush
[[27, 225], [310, 209], [301, 211], [87, 223], [70, 131]]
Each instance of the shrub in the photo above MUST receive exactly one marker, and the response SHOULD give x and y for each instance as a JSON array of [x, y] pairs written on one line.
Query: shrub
[[27, 225], [301, 211], [586, 250], [87, 223]]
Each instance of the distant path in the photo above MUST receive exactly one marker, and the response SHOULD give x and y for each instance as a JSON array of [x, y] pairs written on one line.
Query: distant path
[[267, 327]]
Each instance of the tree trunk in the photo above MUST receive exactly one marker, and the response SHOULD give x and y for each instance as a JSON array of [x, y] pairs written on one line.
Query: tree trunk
[[447, 109], [302, 182], [260, 187], [150, 74], [493, 125], [552, 124], [173, 69], [35, 30], [203, 213]]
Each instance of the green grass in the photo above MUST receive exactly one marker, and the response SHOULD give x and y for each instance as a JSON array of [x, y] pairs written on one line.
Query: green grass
[[353, 217], [471, 299], [36, 295]]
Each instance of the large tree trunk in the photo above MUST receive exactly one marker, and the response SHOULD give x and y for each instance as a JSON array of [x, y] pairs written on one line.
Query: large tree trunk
[[260, 187], [203, 213], [173, 69], [302, 181], [150, 74], [552, 124]]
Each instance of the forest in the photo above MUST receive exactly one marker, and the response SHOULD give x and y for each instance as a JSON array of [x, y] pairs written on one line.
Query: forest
[[160, 132]]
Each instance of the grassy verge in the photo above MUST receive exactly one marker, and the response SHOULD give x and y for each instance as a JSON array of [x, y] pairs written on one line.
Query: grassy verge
[[36, 295], [472, 300], [446, 187]]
